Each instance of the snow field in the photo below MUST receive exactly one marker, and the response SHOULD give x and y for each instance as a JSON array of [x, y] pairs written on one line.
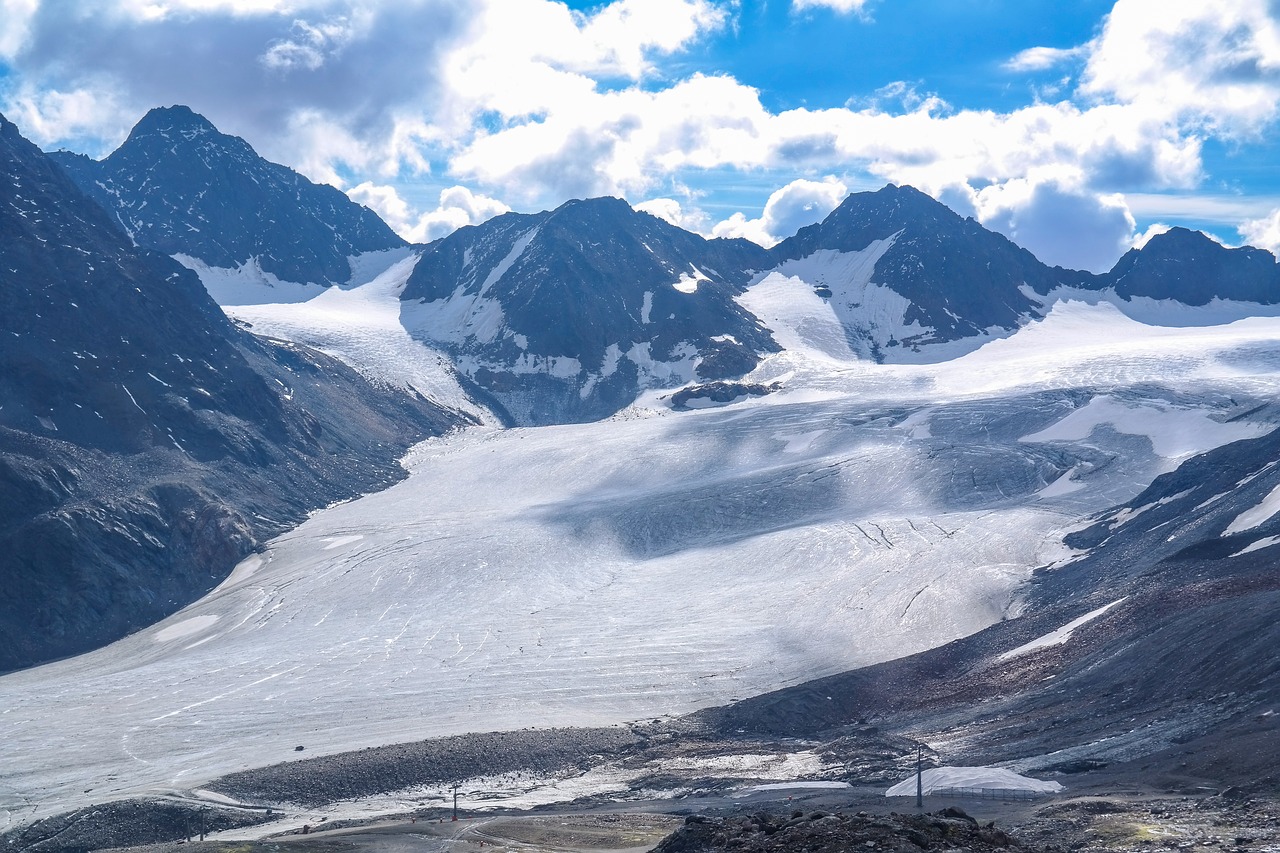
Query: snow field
[[598, 573], [359, 324], [577, 575]]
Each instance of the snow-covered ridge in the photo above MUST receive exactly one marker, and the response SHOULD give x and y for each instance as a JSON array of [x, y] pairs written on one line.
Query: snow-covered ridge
[[359, 323]]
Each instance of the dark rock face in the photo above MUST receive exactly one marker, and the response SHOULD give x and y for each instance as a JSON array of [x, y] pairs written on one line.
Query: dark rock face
[[720, 392], [177, 185], [146, 443], [128, 823], [1194, 269], [565, 315], [948, 829], [960, 278]]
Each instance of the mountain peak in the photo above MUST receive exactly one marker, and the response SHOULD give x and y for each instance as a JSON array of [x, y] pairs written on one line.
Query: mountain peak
[[1193, 268], [178, 117], [1179, 240], [180, 186]]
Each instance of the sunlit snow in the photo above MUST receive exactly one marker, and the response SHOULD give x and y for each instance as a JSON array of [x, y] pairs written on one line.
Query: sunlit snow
[[648, 565]]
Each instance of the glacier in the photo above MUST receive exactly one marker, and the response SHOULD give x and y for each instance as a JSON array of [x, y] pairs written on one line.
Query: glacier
[[648, 565]]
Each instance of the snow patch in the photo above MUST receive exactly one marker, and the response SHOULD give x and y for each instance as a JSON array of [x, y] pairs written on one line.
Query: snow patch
[[983, 778], [1265, 542], [689, 281], [248, 284], [1060, 636], [1256, 516]]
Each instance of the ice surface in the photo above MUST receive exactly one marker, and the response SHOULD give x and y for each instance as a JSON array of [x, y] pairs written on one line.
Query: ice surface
[[989, 778], [652, 564], [1174, 433]]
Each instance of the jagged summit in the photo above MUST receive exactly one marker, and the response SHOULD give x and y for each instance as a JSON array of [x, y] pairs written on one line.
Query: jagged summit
[[939, 276], [146, 442], [590, 302], [181, 187], [178, 117], [1195, 269]]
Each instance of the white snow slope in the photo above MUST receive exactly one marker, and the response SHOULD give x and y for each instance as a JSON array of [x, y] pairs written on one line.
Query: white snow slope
[[357, 323], [649, 565]]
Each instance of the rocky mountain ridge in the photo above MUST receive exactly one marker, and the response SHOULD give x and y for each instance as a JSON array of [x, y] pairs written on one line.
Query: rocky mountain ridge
[[147, 444], [179, 186], [566, 314]]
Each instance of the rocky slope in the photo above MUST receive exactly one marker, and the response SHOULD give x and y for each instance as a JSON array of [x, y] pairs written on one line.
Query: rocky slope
[[179, 186], [1150, 652], [566, 315], [147, 444], [930, 276], [1194, 269]]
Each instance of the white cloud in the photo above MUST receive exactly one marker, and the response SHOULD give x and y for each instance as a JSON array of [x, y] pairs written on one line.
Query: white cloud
[[534, 103], [15, 18], [844, 7], [1153, 230], [1059, 224], [51, 116], [1217, 63], [672, 211], [788, 209], [458, 206], [310, 45], [1263, 233], [1042, 58], [151, 10]]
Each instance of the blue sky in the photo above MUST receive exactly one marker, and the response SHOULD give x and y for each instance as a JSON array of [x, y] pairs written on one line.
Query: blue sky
[[1077, 128]]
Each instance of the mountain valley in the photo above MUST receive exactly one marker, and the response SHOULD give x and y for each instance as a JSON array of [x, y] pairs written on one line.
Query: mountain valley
[[658, 515]]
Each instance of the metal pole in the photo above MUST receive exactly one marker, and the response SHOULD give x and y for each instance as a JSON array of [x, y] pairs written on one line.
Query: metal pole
[[455, 802], [919, 776], [202, 808]]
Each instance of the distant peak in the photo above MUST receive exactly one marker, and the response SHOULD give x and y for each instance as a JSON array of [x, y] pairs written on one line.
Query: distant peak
[[900, 204], [601, 206], [176, 118], [604, 202], [1179, 236]]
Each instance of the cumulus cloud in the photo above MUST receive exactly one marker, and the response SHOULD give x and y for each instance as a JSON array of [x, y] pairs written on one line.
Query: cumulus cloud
[[1218, 63], [458, 206], [15, 18], [251, 68], [672, 211], [788, 209], [1059, 224], [532, 102], [1264, 233], [310, 45]]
